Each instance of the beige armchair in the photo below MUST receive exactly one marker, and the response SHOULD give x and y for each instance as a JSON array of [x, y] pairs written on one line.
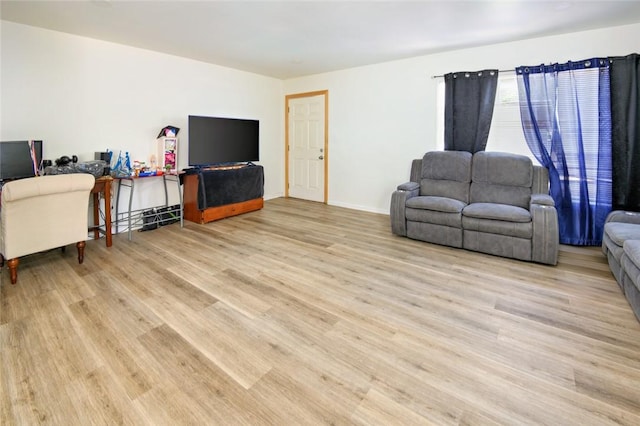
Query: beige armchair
[[43, 213]]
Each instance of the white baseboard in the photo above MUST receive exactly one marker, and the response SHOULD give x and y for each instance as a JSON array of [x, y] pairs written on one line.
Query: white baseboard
[[358, 207], [338, 204]]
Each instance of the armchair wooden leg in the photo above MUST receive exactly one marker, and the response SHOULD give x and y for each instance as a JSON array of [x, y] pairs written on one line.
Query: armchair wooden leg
[[80, 245], [13, 270], [1, 261]]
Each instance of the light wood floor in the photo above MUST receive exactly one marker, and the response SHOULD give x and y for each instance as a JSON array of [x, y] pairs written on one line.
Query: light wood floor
[[304, 314]]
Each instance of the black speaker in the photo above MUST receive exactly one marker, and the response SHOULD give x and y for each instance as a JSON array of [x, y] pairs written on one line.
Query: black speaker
[[104, 156]]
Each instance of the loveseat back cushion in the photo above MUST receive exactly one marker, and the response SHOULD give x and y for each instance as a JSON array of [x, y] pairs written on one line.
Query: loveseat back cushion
[[502, 178], [446, 174]]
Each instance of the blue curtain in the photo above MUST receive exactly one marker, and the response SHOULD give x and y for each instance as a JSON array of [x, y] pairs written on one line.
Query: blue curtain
[[566, 118]]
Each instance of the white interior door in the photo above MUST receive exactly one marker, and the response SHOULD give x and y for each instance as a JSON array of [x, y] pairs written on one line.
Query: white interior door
[[307, 149]]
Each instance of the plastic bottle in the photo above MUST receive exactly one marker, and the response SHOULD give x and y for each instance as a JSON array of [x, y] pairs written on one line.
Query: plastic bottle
[[127, 162]]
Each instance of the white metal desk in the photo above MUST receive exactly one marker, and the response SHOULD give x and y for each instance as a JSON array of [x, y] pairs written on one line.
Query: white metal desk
[[134, 217]]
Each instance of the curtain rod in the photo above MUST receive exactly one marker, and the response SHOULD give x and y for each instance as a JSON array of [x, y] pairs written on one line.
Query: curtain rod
[[499, 71]]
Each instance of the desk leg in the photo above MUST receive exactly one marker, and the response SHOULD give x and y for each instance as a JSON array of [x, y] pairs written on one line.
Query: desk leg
[[96, 215], [130, 203], [181, 207], [118, 206], [107, 213], [175, 178]]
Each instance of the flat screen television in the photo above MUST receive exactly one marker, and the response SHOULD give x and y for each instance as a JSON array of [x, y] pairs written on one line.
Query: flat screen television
[[19, 160], [217, 140]]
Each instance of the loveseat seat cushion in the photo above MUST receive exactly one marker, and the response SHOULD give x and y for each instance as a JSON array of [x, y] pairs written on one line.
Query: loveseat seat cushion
[[500, 219], [496, 211], [439, 204], [435, 210], [452, 220]]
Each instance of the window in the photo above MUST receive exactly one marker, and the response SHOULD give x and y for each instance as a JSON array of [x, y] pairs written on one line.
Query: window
[[506, 127]]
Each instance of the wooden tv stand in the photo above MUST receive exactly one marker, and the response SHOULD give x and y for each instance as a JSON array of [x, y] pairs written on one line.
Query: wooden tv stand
[[200, 210]]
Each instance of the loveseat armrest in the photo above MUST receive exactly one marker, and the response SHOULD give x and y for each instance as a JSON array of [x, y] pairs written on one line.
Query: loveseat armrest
[[545, 241], [399, 204], [542, 200], [409, 186], [623, 216]]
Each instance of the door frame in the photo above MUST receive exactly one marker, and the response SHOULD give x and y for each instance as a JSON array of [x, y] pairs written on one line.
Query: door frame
[[288, 98]]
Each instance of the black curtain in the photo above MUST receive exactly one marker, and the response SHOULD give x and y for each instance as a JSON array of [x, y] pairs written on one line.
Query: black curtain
[[468, 108], [625, 131]]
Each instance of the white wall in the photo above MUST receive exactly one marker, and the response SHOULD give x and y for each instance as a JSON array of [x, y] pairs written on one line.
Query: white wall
[[82, 95], [382, 116]]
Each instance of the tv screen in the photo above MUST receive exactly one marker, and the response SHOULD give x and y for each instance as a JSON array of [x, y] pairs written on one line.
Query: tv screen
[[19, 160], [216, 140]]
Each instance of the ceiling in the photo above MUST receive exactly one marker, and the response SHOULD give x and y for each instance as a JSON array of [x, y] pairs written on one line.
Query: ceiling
[[287, 39]]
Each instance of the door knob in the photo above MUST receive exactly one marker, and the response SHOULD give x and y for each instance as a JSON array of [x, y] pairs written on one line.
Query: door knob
[[321, 157]]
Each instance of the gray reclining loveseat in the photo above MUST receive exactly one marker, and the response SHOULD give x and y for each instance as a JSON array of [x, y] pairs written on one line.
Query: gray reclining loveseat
[[492, 202]]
